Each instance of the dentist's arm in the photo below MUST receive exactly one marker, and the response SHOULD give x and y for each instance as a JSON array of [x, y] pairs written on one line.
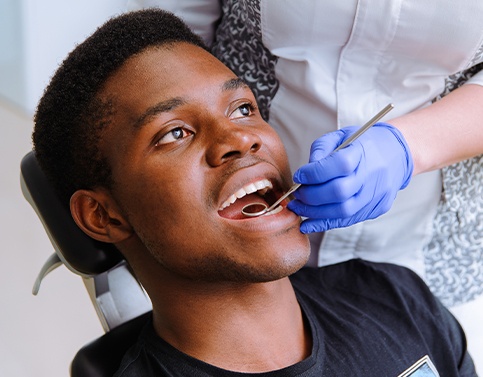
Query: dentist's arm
[[361, 181]]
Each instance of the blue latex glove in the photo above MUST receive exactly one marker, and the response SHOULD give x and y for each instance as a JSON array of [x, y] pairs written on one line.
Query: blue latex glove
[[357, 183]]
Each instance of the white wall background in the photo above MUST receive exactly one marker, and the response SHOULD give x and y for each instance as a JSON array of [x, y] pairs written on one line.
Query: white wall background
[[36, 35], [40, 335]]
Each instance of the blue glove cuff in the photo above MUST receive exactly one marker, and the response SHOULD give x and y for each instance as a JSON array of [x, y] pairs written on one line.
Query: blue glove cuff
[[409, 158]]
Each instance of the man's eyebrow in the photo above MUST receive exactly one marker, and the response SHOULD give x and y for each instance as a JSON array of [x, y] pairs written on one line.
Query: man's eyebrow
[[172, 103], [234, 84], [160, 107]]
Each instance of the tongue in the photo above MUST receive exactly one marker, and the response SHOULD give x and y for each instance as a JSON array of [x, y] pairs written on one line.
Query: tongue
[[234, 211]]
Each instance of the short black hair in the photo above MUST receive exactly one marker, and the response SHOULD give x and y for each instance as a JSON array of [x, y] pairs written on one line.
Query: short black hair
[[70, 117]]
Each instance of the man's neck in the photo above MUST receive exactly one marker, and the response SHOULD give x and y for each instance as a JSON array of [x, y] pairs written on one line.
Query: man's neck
[[250, 328]]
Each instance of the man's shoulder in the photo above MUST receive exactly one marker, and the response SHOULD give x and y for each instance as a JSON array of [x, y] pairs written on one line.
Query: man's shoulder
[[365, 279], [357, 270], [145, 357], [129, 366], [368, 301]]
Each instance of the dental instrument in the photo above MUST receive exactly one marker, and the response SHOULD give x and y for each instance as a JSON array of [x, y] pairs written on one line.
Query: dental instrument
[[353, 137]]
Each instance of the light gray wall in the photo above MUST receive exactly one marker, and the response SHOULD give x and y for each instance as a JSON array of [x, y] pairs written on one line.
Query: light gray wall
[[35, 36], [11, 59], [40, 335]]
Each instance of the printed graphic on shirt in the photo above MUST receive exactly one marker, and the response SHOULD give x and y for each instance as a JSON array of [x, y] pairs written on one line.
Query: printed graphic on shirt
[[424, 367]]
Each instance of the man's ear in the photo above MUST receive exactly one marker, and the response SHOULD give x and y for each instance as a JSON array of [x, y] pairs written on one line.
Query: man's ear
[[97, 214]]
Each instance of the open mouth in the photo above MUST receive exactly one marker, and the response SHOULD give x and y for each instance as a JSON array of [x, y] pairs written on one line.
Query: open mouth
[[257, 192]]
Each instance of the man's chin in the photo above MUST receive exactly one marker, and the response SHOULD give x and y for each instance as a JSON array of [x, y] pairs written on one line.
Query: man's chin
[[266, 269], [284, 262]]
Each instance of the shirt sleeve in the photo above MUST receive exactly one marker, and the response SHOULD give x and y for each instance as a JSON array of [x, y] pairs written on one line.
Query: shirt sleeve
[[476, 68], [466, 366], [477, 78], [200, 15]]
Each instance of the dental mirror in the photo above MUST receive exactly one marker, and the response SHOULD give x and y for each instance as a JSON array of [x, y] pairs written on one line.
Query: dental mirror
[[258, 209]]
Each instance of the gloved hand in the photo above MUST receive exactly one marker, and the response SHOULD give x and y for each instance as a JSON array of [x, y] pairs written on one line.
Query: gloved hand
[[356, 183]]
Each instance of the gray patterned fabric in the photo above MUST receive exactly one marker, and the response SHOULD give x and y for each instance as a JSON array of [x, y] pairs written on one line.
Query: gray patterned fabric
[[454, 257], [238, 44]]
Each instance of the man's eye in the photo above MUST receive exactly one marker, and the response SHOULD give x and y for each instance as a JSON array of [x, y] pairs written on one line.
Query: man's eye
[[243, 111], [173, 135]]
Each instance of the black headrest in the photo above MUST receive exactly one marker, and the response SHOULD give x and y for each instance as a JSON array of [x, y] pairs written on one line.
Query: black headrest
[[80, 252]]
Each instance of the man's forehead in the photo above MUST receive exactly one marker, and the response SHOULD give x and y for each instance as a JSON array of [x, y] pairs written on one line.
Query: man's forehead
[[166, 67], [162, 78]]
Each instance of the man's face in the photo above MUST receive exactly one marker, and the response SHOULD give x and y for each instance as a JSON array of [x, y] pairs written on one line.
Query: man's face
[[185, 137]]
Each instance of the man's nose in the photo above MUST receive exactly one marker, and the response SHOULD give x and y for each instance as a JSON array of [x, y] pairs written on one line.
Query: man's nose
[[230, 142]]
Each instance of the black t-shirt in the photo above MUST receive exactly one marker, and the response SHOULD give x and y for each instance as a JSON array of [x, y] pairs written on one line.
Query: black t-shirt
[[367, 319]]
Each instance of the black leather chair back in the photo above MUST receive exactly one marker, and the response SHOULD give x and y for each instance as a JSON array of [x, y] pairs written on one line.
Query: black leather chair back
[[86, 257]]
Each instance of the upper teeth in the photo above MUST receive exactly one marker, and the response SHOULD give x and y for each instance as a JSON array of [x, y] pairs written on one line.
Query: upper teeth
[[263, 186]]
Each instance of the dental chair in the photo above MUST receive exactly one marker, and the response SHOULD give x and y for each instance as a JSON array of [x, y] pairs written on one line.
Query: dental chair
[[119, 300]]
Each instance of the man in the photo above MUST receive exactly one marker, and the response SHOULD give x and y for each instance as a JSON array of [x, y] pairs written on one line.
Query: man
[[158, 146]]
